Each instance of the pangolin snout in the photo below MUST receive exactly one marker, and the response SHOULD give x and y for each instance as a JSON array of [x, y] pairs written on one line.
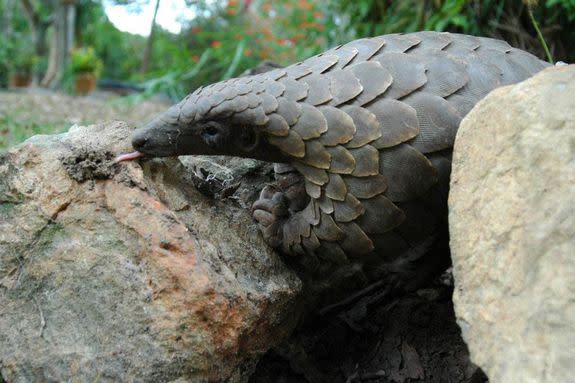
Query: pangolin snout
[[139, 140]]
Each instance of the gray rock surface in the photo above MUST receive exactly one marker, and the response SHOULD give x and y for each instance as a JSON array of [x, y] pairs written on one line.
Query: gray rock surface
[[512, 224], [124, 272]]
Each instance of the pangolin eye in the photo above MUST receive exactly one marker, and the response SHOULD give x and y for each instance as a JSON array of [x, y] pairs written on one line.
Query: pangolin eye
[[211, 130]]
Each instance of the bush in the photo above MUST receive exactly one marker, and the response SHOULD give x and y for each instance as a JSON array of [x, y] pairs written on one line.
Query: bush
[[84, 60]]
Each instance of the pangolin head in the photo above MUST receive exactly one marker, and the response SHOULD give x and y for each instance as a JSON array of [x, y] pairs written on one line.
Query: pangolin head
[[226, 118]]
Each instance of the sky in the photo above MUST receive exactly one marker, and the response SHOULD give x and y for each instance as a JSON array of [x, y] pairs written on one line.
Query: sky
[[169, 14]]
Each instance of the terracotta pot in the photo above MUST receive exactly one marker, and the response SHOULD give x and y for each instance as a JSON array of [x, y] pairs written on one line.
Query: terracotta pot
[[19, 80], [85, 83]]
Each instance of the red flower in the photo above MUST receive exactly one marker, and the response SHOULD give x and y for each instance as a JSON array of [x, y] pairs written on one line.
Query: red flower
[[216, 44]]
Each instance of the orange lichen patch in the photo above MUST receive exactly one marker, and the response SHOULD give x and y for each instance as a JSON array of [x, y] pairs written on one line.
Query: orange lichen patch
[[196, 300]]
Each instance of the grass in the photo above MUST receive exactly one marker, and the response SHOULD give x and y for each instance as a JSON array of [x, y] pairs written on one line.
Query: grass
[[14, 131]]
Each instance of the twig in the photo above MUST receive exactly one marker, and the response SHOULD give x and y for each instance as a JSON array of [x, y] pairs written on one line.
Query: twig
[[42, 320], [539, 34]]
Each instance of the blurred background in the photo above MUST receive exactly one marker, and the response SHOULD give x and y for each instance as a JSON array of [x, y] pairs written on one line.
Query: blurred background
[[82, 61]]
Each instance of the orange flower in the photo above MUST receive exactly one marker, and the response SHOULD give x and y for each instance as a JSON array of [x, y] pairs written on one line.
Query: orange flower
[[248, 52], [231, 3], [195, 58], [317, 15], [267, 7], [231, 11], [303, 4], [216, 44]]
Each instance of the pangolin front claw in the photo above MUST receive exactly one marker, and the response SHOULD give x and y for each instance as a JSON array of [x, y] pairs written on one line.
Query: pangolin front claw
[[271, 211]]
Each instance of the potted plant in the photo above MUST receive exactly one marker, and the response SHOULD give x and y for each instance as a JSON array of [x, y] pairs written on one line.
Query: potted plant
[[21, 69], [86, 68]]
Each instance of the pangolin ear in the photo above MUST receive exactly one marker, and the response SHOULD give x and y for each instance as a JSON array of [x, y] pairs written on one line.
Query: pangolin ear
[[249, 139]]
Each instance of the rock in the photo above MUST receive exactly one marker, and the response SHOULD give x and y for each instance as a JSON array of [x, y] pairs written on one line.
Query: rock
[[512, 224], [124, 272]]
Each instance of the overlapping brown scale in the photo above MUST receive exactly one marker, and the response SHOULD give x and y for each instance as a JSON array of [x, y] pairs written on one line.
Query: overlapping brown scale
[[315, 175], [348, 210], [274, 88], [344, 86], [320, 63], [332, 253], [319, 89], [345, 54], [269, 103], [366, 47], [186, 111], [498, 58], [277, 125], [341, 127], [298, 70], [258, 86], [355, 241], [275, 74], [483, 77], [438, 122], [325, 204], [526, 61], [374, 79], [313, 190], [366, 125], [289, 110], [311, 123], [294, 90], [311, 214], [408, 172], [238, 104], [366, 187], [489, 43], [366, 161], [295, 228], [397, 120], [381, 215], [342, 161], [251, 116], [400, 43], [433, 40], [316, 155], [201, 107], [221, 110], [327, 229], [291, 144], [464, 42], [446, 74], [336, 188], [408, 73], [252, 99], [242, 88], [311, 243]]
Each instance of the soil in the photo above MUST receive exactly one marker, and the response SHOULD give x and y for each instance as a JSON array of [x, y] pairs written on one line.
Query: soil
[[409, 338]]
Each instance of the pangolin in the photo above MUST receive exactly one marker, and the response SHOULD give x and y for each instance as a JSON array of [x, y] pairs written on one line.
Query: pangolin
[[361, 136]]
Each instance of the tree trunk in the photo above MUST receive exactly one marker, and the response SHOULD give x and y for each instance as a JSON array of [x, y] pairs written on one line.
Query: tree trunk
[[150, 42], [61, 44]]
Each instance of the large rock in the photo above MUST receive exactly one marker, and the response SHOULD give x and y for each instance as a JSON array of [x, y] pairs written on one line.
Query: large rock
[[123, 272], [512, 224]]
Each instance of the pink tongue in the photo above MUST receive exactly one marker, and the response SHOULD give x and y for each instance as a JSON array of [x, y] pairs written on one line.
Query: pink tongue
[[128, 156]]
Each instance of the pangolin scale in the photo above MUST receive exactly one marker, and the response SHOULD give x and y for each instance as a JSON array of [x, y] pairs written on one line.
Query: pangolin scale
[[362, 136]]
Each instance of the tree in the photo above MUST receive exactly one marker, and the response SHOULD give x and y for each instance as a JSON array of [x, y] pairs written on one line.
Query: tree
[[150, 41]]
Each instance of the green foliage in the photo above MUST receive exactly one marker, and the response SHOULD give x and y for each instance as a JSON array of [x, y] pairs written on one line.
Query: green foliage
[[84, 60], [14, 131], [568, 6]]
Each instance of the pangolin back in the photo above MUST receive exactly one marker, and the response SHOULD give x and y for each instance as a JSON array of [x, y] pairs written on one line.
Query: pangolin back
[[370, 126]]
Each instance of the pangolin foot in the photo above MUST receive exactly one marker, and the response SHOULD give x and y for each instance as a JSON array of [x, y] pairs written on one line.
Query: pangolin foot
[[271, 211]]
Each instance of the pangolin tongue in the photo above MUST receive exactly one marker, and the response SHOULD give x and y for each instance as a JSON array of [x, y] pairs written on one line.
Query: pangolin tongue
[[128, 156]]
